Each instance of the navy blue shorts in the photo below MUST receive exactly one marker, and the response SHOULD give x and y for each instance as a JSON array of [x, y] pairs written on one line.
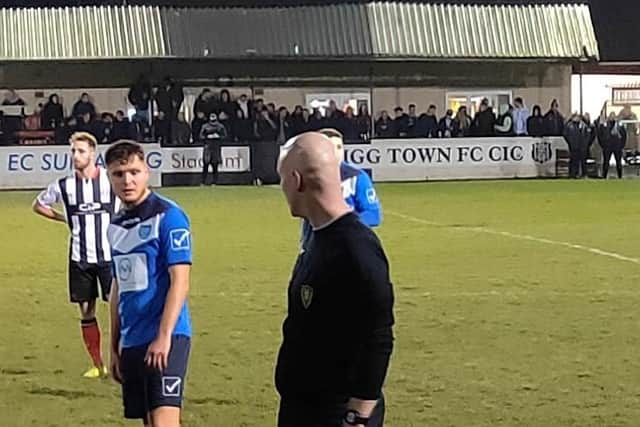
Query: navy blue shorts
[[145, 389]]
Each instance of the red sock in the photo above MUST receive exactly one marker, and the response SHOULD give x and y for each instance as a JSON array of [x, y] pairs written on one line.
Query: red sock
[[91, 337]]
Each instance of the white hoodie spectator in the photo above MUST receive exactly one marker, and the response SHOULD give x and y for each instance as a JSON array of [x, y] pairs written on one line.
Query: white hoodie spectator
[[520, 116]]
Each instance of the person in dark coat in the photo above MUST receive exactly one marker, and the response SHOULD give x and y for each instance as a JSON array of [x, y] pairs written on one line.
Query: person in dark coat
[[446, 125], [169, 97], [363, 123], [196, 126], [273, 113], [334, 116], [535, 123], [122, 127], [266, 129], [400, 123], [384, 126], [412, 122], [84, 106], [105, 129], [484, 122], [139, 97], [577, 135], [284, 130], [505, 125], [427, 126], [162, 129], [317, 122], [350, 133], [213, 133], [52, 113], [258, 105], [242, 124], [306, 120], [462, 123], [204, 103], [180, 131], [297, 125], [64, 132], [85, 124], [612, 138], [226, 105], [554, 122]]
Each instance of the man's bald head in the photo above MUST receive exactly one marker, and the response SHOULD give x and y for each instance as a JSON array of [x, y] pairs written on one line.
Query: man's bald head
[[337, 139], [309, 170]]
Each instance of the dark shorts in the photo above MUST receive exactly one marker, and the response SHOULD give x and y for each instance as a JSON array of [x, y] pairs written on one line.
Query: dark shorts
[[145, 389], [84, 280], [296, 413]]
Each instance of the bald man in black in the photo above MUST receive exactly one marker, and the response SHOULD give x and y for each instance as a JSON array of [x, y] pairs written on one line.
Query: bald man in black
[[337, 337]]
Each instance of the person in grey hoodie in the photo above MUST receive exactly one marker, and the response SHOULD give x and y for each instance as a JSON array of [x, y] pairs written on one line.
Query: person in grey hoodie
[[520, 116]]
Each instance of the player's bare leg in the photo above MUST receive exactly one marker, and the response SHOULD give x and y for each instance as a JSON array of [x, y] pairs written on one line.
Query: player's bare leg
[[165, 416], [87, 309], [91, 337]]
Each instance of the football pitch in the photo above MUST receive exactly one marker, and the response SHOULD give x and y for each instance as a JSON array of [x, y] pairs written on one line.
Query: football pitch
[[516, 305]]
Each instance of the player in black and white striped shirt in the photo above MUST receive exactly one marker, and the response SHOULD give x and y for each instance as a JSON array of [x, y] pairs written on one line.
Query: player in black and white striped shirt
[[89, 203]]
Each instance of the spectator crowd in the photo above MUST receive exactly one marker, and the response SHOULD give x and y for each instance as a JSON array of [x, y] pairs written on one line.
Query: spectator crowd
[[159, 118]]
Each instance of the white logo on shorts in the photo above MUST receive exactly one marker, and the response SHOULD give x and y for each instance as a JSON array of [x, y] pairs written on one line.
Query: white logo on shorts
[[171, 386]]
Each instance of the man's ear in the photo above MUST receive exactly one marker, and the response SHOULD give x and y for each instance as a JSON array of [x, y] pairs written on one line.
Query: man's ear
[[297, 176]]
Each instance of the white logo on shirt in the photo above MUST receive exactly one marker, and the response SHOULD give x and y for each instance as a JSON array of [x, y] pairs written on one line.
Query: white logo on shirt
[[372, 197], [125, 269], [180, 239], [131, 272], [349, 187]]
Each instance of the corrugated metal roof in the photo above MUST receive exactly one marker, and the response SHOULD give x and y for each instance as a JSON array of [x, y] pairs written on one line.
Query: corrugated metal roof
[[81, 33], [455, 31], [385, 30], [321, 31], [378, 30]]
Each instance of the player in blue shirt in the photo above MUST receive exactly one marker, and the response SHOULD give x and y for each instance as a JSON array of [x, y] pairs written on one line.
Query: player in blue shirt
[[357, 189], [150, 323]]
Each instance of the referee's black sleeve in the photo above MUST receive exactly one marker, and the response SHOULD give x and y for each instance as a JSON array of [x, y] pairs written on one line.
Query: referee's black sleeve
[[375, 311]]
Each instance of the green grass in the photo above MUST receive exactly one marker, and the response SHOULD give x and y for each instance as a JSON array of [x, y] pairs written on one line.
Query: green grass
[[491, 330]]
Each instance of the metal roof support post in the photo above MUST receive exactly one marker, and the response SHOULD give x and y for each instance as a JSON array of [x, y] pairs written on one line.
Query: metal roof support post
[[372, 121], [581, 96]]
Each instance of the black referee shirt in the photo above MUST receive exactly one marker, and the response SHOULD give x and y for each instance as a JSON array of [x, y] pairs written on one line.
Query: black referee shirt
[[337, 337]]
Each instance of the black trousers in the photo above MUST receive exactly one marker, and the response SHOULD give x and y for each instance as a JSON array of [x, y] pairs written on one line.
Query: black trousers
[[210, 157], [295, 413], [578, 163], [606, 157]]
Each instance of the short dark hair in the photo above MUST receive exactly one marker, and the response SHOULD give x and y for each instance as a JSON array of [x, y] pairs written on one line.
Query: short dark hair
[[518, 100], [412, 105], [121, 152], [331, 133], [432, 107]]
